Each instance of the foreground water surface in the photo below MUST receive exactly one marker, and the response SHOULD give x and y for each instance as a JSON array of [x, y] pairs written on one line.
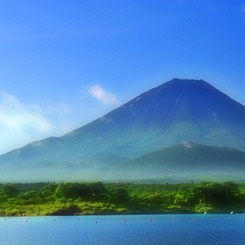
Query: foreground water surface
[[129, 229]]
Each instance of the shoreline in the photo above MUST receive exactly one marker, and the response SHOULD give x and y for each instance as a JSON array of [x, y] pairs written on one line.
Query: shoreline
[[123, 214]]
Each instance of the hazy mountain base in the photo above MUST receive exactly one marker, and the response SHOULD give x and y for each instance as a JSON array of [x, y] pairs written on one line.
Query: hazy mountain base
[[144, 176], [178, 163], [75, 198]]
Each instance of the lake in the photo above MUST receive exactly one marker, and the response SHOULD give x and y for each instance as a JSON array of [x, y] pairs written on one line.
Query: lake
[[129, 229]]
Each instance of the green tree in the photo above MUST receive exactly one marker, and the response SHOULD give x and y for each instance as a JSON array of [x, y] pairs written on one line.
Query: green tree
[[119, 195], [9, 190]]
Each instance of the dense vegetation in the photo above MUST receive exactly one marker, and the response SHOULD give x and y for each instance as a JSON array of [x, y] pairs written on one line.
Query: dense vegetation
[[108, 198]]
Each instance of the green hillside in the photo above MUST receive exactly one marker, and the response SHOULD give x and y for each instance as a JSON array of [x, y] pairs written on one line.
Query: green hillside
[[186, 160]]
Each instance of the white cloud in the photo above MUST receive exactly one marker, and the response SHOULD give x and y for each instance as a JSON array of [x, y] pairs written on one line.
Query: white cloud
[[20, 123], [102, 95]]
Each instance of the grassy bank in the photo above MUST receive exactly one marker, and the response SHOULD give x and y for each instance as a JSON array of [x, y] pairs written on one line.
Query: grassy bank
[[109, 198]]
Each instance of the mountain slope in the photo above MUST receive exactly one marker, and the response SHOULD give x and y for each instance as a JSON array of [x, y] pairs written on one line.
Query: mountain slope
[[176, 111], [188, 160]]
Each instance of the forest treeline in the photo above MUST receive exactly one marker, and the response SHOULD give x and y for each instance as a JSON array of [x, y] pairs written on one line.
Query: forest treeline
[[74, 198]]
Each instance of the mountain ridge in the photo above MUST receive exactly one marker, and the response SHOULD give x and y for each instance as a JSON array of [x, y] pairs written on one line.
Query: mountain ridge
[[187, 159]]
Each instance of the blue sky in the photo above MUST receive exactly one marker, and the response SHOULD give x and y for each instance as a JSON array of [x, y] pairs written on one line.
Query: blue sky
[[65, 63]]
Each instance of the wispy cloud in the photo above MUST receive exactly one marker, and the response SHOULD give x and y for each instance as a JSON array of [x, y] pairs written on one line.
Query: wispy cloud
[[102, 95], [20, 123], [60, 108]]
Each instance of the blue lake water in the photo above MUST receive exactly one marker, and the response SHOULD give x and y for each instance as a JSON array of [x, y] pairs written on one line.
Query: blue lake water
[[137, 229]]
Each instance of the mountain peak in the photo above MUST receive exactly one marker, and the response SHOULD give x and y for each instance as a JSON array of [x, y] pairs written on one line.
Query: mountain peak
[[185, 81], [188, 144], [178, 83]]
